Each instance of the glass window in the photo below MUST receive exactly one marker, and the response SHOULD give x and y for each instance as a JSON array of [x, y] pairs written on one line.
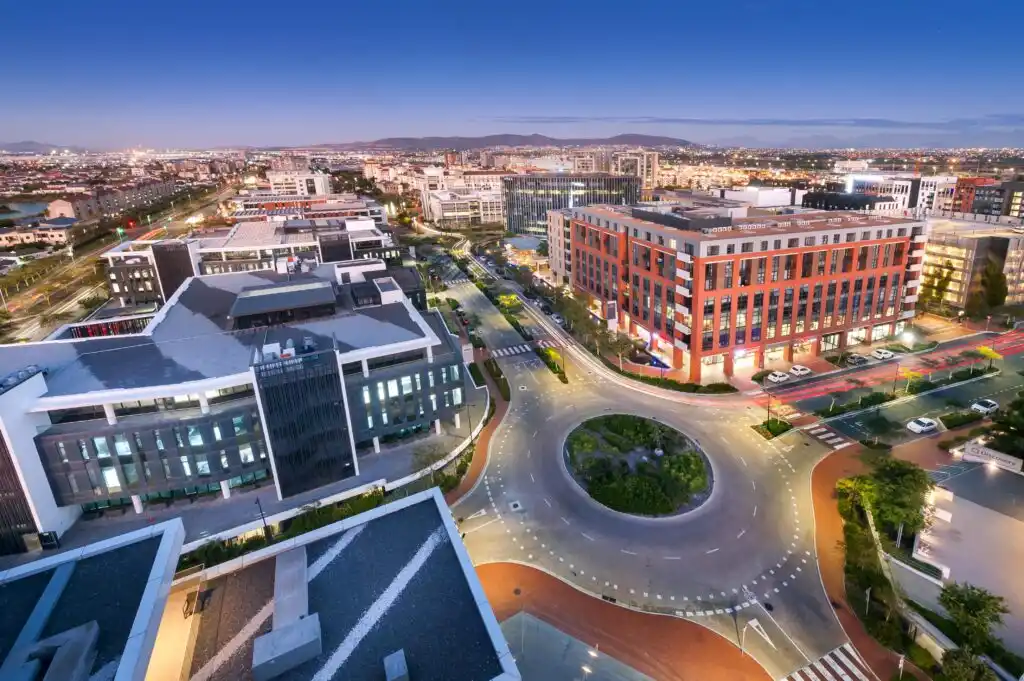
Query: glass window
[[131, 474], [245, 453], [110, 479], [455, 372], [121, 445], [430, 378], [216, 433], [83, 449], [102, 451], [63, 454], [72, 483], [366, 394], [224, 460], [419, 383], [457, 395], [406, 385], [202, 465], [195, 437], [380, 392], [392, 388], [433, 401], [239, 424], [159, 442]]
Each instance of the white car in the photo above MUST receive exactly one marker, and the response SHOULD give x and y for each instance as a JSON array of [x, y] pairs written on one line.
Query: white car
[[985, 407], [558, 319], [778, 377], [882, 353], [922, 425], [799, 370]]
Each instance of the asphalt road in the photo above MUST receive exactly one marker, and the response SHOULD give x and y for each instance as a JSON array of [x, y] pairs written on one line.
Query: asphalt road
[[747, 553]]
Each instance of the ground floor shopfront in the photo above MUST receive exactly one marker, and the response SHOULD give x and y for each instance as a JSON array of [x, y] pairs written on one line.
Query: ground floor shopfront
[[710, 366]]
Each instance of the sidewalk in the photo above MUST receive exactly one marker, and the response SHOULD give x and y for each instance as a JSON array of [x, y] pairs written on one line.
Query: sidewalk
[[664, 648], [831, 558], [483, 441]]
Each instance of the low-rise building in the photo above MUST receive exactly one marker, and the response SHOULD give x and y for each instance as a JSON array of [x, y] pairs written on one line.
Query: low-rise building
[[299, 182], [109, 202], [271, 207], [462, 207], [965, 190], [844, 201]]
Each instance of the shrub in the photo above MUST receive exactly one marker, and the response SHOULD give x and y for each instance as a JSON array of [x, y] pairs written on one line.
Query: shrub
[[716, 388], [877, 446], [772, 428], [952, 442], [761, 375], [453, 304], [552, 360], [920, 386], [478, 377], [499, 378], [960, 418]]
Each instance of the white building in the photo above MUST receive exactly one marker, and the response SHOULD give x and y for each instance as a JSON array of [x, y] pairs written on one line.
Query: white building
[[910, 192], [642, 164], [462, 206], [559, 245], [854, 166], [764, 197], [299, 182]]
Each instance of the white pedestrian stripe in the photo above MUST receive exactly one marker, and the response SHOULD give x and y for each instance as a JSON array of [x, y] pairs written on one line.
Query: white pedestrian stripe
[[841, 664], [513, 350], [456, 282]]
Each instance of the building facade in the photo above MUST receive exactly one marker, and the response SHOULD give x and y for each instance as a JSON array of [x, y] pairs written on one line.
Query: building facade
[[109, 202], [711, 294], [299, 182], [964, 192], [239, 378], [462, 207], [911, 192], [560, 244], [528, 198]]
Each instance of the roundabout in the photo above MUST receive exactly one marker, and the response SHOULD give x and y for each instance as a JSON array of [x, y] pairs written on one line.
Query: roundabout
[[637, 466]]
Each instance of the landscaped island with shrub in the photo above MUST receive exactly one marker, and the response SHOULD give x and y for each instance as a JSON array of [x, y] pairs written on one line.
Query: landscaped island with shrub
[[636, 465]]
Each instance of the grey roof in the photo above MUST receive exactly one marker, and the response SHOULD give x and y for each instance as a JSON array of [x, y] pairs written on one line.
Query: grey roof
[[284, 296], [435, 618], [194, 341]]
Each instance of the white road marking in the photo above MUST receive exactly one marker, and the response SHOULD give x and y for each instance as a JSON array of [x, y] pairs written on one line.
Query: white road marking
[[564, 520], [631, 553], [532, 478], [711, 551], [548, 503], [743, 460], [742, 532], [587, 536], [672, 557], [755, 510], [752, 484], [482, 525]]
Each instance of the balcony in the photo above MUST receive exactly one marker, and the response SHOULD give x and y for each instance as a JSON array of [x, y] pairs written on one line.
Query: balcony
[[908, 300], [683, 327], [683, 290], [684, 257], [681, 344], [920, 239], [682, 309], [684, 275], [907, 314], [915, 267]]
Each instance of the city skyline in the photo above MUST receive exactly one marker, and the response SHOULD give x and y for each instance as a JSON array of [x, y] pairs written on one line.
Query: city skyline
[[746, 75]]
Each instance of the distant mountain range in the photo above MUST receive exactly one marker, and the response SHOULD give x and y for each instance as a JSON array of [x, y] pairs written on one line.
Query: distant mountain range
[[35, 147], [463, 143]]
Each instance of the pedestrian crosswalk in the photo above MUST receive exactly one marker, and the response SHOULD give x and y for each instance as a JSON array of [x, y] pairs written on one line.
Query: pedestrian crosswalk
[[828, 436], [521, 348], [842, 664], [456, 281]]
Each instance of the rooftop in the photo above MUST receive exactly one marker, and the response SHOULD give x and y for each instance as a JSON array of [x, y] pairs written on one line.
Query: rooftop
[[395, 578], [73, 589]]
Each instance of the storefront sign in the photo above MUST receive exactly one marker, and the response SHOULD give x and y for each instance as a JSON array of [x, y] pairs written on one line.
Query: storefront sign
[[976, 452]]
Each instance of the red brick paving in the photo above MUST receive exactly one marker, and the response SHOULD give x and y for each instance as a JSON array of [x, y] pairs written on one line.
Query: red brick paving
[[664, 648], [476, 467]]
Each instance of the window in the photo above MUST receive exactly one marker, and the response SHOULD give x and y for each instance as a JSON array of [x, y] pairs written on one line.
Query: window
[[730, 249], [239, 425], [406, 385], [392, 388], [83, 449], [808, 241], [202, 465], [713, 250], [195, 436], [245, 454], [121, 445], [747, 247], [102, 451], [224, 460], [62, 453], [366, 394], [110, 480], [433, 402], [457, 396], [131, 474]]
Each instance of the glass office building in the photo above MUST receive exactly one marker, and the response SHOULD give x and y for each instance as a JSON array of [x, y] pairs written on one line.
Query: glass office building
[[528, 198]]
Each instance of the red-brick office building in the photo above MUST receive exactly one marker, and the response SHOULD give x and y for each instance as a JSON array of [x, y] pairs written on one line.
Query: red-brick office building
[[710, 294]]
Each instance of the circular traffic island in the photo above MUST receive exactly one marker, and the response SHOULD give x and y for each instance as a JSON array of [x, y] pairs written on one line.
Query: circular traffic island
[[638, 466]]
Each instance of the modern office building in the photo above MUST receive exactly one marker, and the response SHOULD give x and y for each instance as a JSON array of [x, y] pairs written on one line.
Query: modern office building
[[141, 272], [911, 192], [461, 207], [267, 207], [560, 244], [299, 182], [960, 250], [642, 164], [528, 198], [757, 196], [711, 293], [239, 377], [843, 201]]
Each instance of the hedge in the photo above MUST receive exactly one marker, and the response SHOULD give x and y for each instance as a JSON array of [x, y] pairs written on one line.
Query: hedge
[[869, 400], [878, 446], [670, 384], [499, 378], [956, 419], [478, 377], [772, 428], [761, 375], [550, 358]]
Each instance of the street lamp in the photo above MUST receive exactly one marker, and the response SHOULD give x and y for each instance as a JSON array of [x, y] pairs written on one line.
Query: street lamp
[[587, 671], [266, 530]]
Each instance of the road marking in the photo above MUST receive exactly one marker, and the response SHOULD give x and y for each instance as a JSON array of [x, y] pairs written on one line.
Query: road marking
[[752, 484], [548, 503], [532, 478], [481, 526], [743, 460], [631, 553], [564, 520], [755, 510], [535, 433], [587, 536], [711, 551], [672, 558], [742, 532]]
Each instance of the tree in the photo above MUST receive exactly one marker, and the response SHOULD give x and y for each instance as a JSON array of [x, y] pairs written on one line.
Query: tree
[[1008, 429], [989, 354], [542, 248], [900, 488], [960, 664], [972, 355], [619, 344], [427, 455], [993, 285], [975, 612]]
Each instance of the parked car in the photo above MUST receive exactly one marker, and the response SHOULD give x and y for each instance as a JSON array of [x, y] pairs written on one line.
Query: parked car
[[778, 377], [558, 319], [985, 407], [545, 308], [882, 353], [799, 370], [856, 360], [922, 425]]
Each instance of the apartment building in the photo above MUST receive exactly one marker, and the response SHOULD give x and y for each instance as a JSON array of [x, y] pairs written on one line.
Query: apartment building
[[965, 190], [911, 192], [642, 164], [710, 294], [271, 207], [109, 202], [299, 182], [962, 249], [560, 244], [528, 198]]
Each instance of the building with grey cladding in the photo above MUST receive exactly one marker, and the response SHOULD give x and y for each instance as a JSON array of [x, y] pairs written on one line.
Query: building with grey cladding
[[239, 377]]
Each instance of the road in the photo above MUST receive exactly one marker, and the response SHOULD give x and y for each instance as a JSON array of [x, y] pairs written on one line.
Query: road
[[747, 553]]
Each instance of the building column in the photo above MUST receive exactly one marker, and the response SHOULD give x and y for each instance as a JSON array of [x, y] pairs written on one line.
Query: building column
[[727, 365], [787, 352], [841, 344], [366, 368], [437, 426], [376, 445], [137, 503], [204, 403], [225, 489], [816, 347], [695, 365], [458, 421], [759, 358], [108, 411]]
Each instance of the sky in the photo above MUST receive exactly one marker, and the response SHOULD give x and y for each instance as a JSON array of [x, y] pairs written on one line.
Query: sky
[[113, 74]]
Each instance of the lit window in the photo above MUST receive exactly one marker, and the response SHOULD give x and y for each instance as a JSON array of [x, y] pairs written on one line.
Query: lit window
[[392, 388], [102, 451], [366, 395], [202, 465], [216, 433], [121, 445], [433, 402], [195, 437], [239, 424], [110, 480], [457, 395], [245, 453], [406, 385]]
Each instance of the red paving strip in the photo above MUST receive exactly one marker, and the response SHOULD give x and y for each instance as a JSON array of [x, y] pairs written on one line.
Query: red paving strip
[[828, 540], [664, 648], [483, 441]]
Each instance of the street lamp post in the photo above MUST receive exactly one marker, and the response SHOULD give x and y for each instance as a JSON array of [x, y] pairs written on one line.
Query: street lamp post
[[266, 530], [896, 377]]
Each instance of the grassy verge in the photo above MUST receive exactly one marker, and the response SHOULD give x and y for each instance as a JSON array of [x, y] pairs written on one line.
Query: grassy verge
[[668, 383], [772, 428], [499, 378], [870, 400], [956, 419], [553, 360], [478, 376]]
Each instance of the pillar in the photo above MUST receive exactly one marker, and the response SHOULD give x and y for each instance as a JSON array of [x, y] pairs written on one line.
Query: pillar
[[437, 426], [759, 358], [458, 421], [727, 365], [376, 445], [204, 403], [841, 344], [225, 489], [137, 503], [108, 411], [816, 347], [787, 352]]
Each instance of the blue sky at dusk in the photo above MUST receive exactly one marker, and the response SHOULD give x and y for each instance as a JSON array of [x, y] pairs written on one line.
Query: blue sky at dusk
[[111, 73]]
